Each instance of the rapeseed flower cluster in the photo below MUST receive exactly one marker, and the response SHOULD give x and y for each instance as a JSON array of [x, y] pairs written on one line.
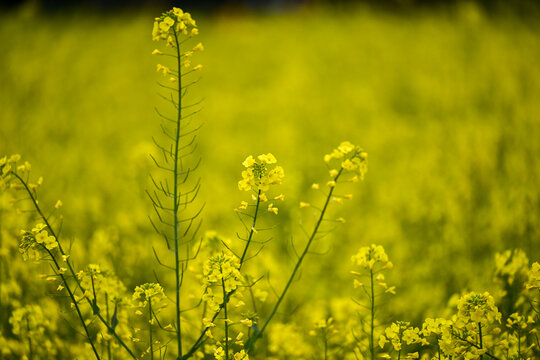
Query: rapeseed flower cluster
[[36, 242], [469, 333], [101, 282], [399, 334], [8, 166], [169, 27], [173, 22], [148, 292], [477, 309], [351, 158], [221, 271], [258, 176], [369, 257], [434, 327]]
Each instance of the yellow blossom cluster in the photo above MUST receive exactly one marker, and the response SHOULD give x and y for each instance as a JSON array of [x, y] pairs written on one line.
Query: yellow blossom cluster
[[148, 292], [9, 165], [220, 271], [36, 241], [477, 308], [101, 282], [400, 333], [518, 322], [169, 27], [351, 158], [434, 326], [173, 22], [258, 176], [369, 256], [468, 334]]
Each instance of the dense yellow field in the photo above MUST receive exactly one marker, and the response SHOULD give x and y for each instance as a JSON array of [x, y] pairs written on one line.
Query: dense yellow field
[[444, 102]]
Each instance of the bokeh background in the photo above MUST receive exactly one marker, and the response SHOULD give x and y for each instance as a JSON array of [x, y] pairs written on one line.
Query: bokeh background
[[443, 96]]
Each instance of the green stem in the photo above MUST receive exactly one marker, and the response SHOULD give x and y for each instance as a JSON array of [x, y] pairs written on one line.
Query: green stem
[[251, 231], [226, 321], [258, 334], [150, 328], [74, 275], [480, 336], [176, 202], [474, 345], [372, 327], [226, 299], [108, 320]]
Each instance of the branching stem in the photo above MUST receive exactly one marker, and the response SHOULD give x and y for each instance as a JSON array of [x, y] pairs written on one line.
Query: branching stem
[[73, 274], [258, 334]]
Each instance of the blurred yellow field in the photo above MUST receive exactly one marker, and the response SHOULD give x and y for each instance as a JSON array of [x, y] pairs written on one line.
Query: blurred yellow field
[[445, 102]]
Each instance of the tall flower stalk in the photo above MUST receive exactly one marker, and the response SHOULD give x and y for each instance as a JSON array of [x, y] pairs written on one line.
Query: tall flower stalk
[[371, 261], [174, 222], [351, 160], [42, 243]]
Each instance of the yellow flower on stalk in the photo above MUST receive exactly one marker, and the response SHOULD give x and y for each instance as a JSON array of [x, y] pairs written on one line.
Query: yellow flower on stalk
[[398, 334], [220, 273], [272, 209], [174, 22], [369, 256], [351, 157], [477, 308], [147, 292], [258, 176]]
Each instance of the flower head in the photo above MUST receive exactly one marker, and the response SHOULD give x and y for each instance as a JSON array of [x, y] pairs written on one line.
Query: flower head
[[351, 159], [220, 270], [477, 308], [370, 256], [148, 292], [173, 23], [258, 176]]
